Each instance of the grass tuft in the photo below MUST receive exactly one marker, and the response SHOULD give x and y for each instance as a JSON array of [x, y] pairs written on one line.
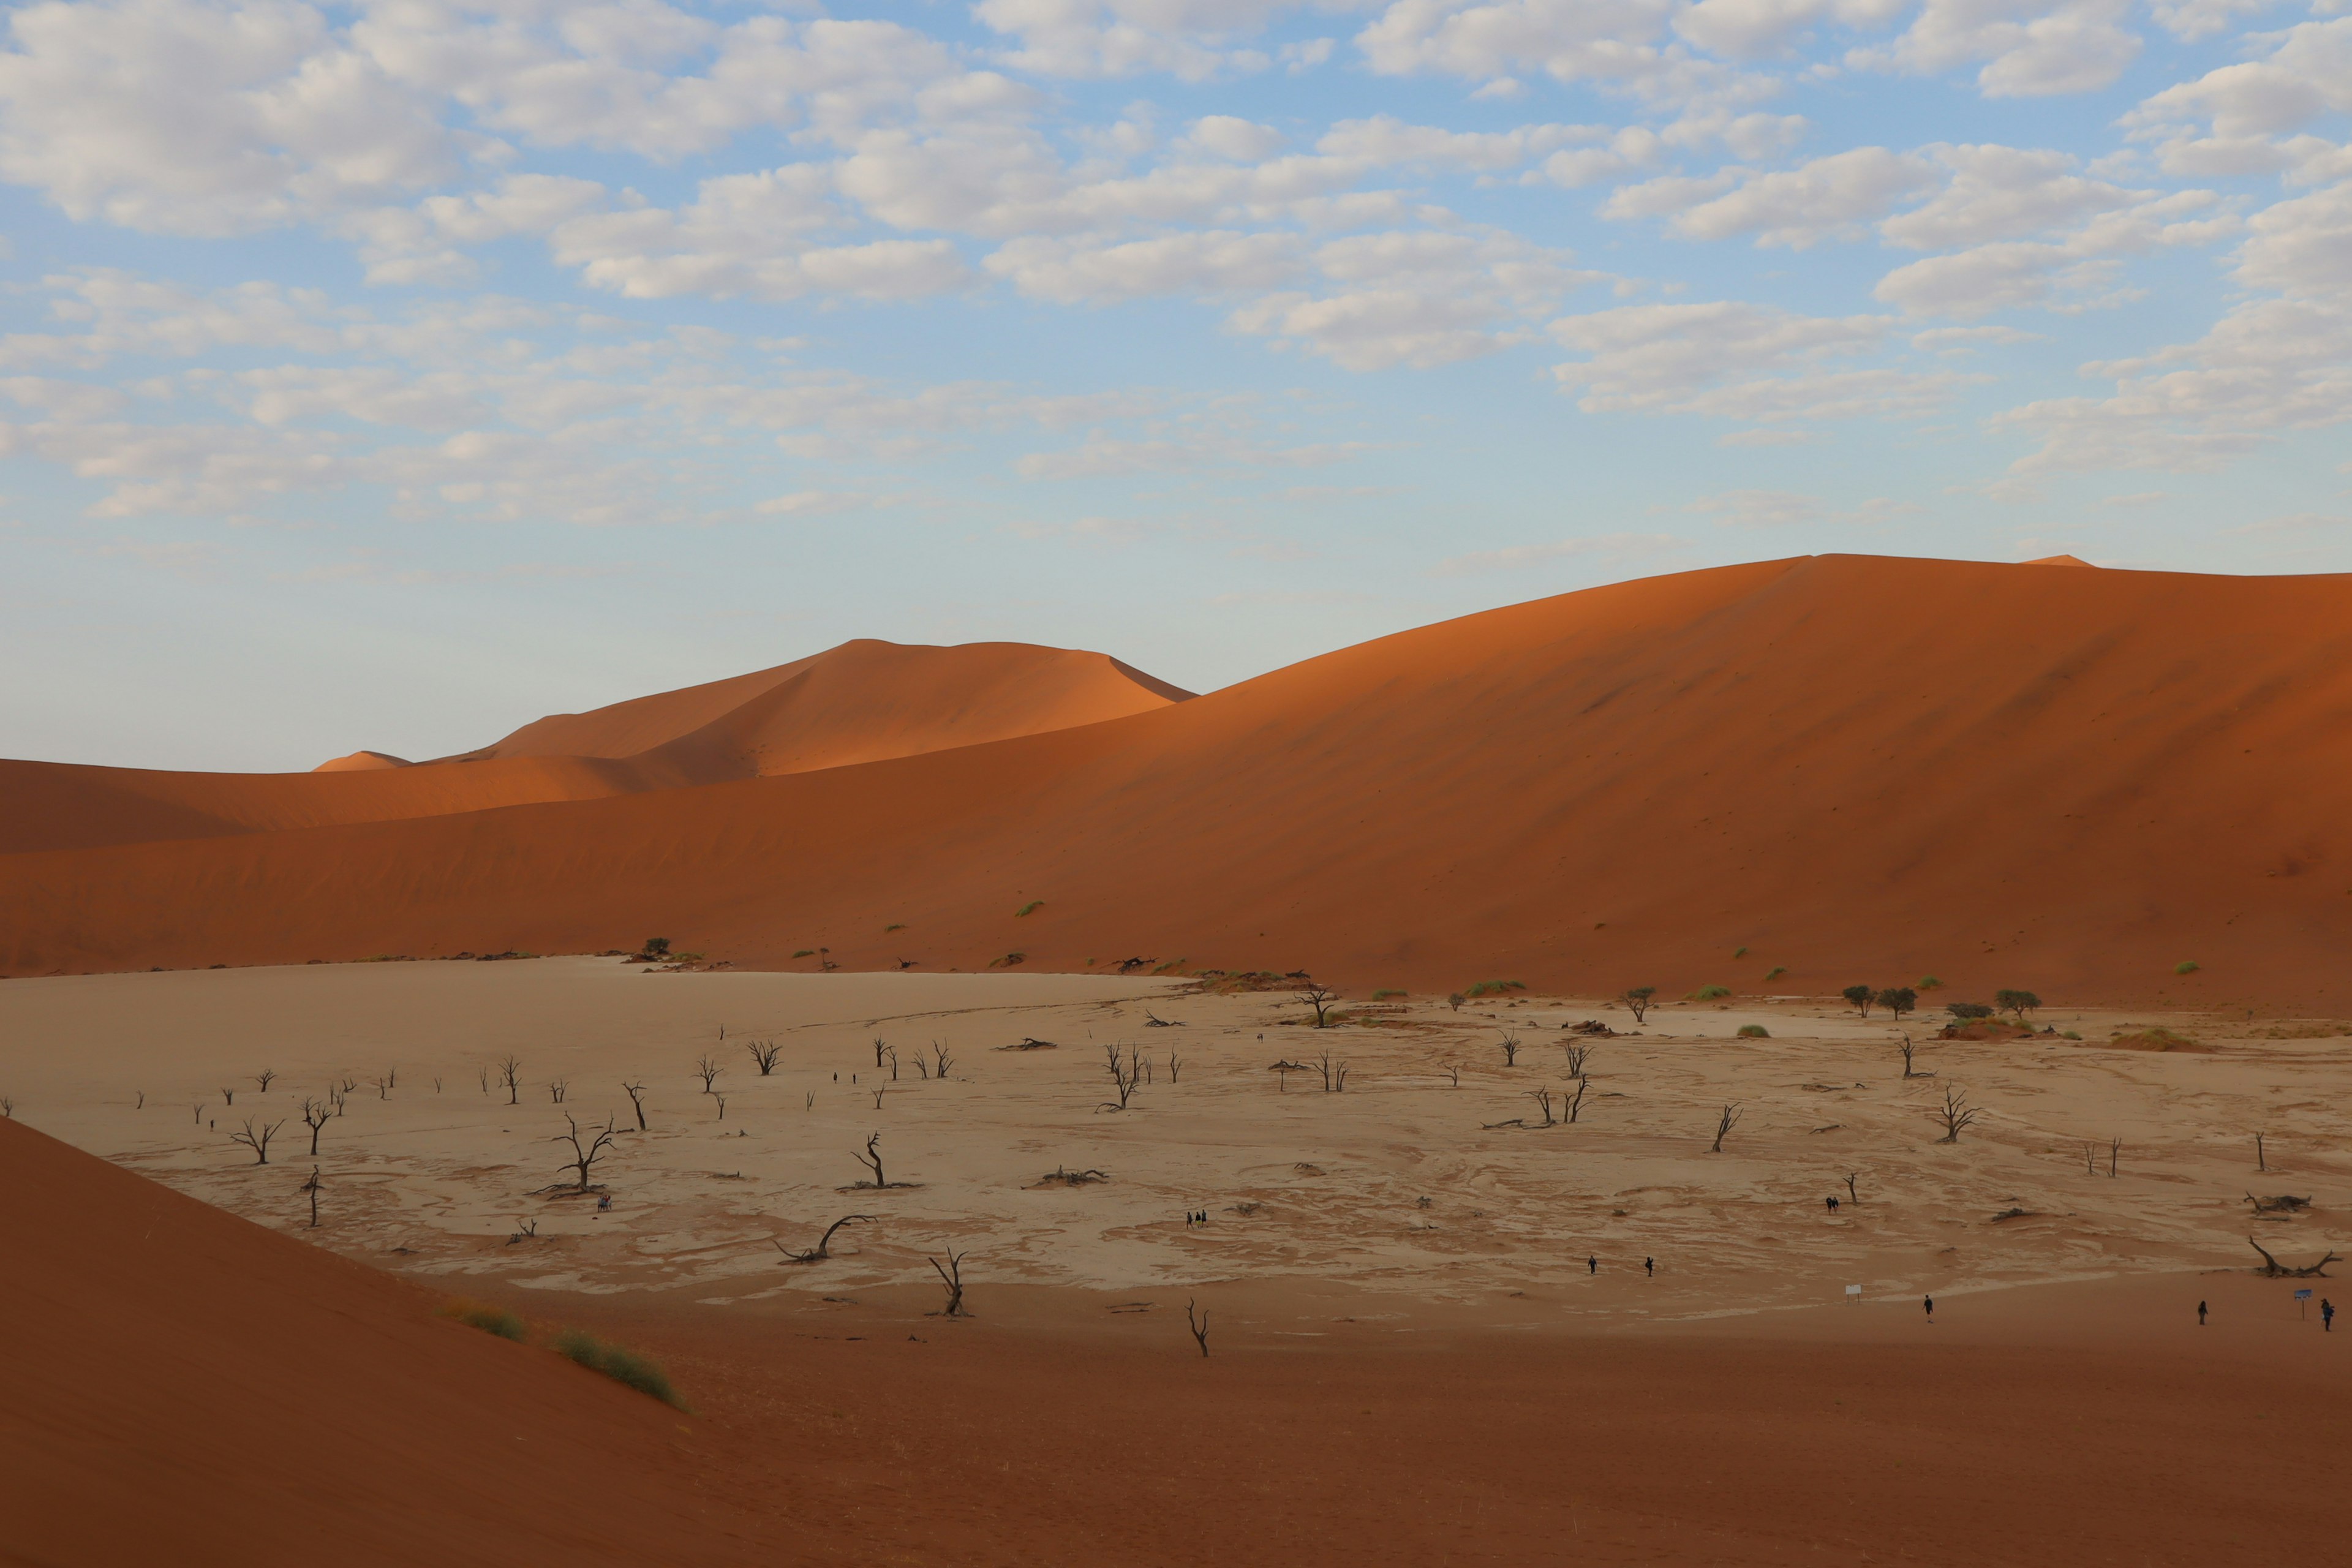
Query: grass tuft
[[1928, 982], [1708, 994], [1031, 907], [1494, 987], [2186, 966], [1754, 1032], [490, 1320], [805, 952], [620, 1365], [1777, 971], [898, 925], [1384, 996]]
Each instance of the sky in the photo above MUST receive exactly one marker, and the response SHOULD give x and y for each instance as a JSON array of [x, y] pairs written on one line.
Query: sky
[[388, 374]]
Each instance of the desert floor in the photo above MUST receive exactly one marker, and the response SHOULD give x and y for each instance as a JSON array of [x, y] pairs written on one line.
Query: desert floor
[[1393, 1202], [1412, 1360]]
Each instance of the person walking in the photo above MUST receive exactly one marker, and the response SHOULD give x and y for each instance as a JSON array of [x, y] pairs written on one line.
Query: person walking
[[2201, 1314], [2327, 1316], [1650, 1267], [1929, 1302], [1593, 1263]]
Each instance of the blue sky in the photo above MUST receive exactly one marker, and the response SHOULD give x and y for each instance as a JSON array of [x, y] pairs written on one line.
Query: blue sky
[[388, 374]]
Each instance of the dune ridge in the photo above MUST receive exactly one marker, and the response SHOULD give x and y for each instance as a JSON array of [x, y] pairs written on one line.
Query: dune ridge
[[857, 702], [1852, 767]]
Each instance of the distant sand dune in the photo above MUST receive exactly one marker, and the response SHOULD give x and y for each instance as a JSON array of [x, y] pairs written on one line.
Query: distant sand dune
[[1852, 767]]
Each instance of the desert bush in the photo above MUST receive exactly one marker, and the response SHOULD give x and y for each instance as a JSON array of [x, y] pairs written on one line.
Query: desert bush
[[1493, 988], [2018, 1002], [620, 1365], [1384, 996], [1776, 971], [1928, 983], [805, 952], [2156, 1037], [1455, 1000], [2071, 1035], [2186, 966], [1754, 1032], [490, 1320], [1708, 994], [1031, 907], [1967, 1009], [1010, 960]]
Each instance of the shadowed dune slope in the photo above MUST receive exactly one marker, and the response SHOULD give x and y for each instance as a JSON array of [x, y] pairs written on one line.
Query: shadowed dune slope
[[857, 702], [191, 1388], [1855, 767]]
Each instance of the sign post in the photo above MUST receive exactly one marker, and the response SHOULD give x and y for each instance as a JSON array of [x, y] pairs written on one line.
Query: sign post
[[2303, 1303], [1853, 1294]]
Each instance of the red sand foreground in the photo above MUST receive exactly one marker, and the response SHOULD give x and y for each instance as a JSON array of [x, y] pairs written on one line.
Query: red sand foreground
[[190, 1388], [2075, 781]]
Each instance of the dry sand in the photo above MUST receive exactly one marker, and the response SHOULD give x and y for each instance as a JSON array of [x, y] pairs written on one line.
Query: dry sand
[[2075, 781], [1389, 1382]]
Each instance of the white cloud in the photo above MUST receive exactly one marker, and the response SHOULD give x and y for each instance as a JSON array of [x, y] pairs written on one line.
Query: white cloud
[[1226, 136], [1798, 207], [2242, 119], [1733, 359], [1384, 140], [1624, 44], [1209, 261], [1749, 29], [2030, 48], [1190, 39]]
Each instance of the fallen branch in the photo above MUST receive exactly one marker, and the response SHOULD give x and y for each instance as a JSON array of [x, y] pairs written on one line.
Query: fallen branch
[[2273, 1269], [819, 1253]]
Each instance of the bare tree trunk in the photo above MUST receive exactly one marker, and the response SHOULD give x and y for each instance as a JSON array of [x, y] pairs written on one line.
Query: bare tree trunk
[[1723, 1126], [952, 1277], [1200, 1327]]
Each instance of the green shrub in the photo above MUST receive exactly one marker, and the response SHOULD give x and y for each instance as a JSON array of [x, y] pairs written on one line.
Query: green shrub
[[901, 925], [1008, 961], [1754, 1032], [1738, 952], [1966, 1010], [2072, 1034], [805, 952], [1031, 907], [620, 1365], [2018, 1002], [1494, 987], [1384, 996], [2186, 966], [1777, 971], [1928, 982], [1708, 993], [490, 1320]]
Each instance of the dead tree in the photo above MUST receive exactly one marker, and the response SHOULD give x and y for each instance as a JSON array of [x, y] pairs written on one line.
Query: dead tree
[[707, 1069], [200, 1113], [2090, 1159], [2273, 1269], [311, 1187], [1452, 1075], [257, 1140], [2283, 1203], [878, 1048], [1126, 1073], [7, 1109], [722, 1105], [636, 1093], [1335, 1076], [2262, 1161], [1907, 1048], [316, 1114], [952, 1278], [1320, 998], [1575, 1103], [1510, 1043], [822, 1250], [1953, 1113], [228, 1097], [557, 1088], [263, 1077], [1851, 1196], [872, 1160], [941, 1060], [382, 1087], [1723, 1126], [922, 1067], [1576, 1058], [585, 1155], [510, 1074], [877, 1094], [763, 1054], [1200, 1327], [2114, 1154], [1173, 1064]]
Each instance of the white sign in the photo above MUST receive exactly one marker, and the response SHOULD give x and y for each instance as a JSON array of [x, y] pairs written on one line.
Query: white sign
[[2299, 1294], [1856, 1291]]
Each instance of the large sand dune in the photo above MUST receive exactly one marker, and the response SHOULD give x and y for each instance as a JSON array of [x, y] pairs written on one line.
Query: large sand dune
[[1840, 768], [857, 702]]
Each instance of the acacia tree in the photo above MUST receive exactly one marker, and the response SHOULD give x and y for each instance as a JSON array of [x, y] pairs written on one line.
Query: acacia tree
[[1897, 1000], [257, 1139], [585, 1155], [2018, 1002], [1859, 997], [1953, 1113], [1320, 998], [1638, 999], [316, 1114]]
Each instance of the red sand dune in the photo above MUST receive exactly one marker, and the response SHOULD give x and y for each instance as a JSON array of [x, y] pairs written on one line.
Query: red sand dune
[[186, 1387], [1855, 767], [857, 702]]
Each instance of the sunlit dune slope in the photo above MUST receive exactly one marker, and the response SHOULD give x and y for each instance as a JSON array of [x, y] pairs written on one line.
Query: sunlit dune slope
[[854, 703], [191, 1388], [1854, 768]]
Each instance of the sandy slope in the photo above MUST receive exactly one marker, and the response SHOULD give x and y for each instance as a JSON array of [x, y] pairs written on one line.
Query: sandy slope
[[189, 1388], [1852, 767], [857, 702]]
